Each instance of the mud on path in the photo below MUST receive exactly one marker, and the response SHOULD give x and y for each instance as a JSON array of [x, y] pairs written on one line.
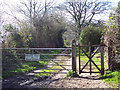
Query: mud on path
[[55, 81]]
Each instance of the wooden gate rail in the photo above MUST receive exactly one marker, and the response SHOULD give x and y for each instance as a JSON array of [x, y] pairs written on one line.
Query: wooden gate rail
[[68, 48], [44, 59]]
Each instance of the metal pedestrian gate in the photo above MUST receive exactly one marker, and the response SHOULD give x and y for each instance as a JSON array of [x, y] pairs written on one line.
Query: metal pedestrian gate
[[90, 56]]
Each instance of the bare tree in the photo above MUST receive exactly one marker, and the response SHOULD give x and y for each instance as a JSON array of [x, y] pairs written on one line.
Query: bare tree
[[1, 24], [83, 11], [1, 19], [34, 8]]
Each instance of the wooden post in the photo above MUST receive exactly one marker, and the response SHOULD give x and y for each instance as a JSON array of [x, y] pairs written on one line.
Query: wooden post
[[102, 60], [109, 57], [74, 55], [90, 57], [79, 57], [32, 59]]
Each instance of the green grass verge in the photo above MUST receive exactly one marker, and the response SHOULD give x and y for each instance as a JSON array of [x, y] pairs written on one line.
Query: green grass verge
[[113, 78]]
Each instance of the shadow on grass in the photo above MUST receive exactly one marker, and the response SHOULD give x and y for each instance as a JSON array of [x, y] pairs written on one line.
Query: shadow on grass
[[105, 77]]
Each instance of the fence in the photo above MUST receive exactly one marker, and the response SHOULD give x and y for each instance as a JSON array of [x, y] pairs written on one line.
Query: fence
[[45, 60]]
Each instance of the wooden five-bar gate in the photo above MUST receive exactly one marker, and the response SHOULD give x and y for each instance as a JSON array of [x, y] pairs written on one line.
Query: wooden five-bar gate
[[37, 59]]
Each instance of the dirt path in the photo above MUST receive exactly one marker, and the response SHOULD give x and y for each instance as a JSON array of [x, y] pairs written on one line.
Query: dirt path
[[55, 81], [83, 81]]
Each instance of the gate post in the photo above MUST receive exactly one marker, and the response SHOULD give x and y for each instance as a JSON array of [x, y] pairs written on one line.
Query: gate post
[[102, 60], [74, 55], [79, 57], [90, 53]]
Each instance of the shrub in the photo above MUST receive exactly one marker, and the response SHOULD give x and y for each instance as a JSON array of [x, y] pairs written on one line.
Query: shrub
[[72, 74], [14, 40], [90, 34]]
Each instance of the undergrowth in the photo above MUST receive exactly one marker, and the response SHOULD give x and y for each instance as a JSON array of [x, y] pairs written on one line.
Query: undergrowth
[[72, 73]]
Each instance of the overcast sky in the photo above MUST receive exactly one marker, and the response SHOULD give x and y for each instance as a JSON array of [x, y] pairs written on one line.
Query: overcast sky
[[10, 3]]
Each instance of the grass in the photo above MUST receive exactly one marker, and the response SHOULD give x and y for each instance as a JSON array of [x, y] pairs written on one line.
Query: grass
[[48, 71], [113, 78], [22, 67]]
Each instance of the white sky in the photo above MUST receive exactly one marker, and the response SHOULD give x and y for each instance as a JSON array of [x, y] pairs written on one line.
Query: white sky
[[8, 6], [10, 3]]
